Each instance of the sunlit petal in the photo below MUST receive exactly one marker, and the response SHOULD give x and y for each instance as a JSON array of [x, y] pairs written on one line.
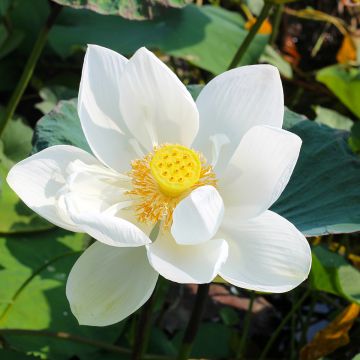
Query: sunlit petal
[[266, 253], [155, 105], [39, 179], [197, 218], [107, 284], [259, 170], [187, 263], [99, 107], [235, 101]]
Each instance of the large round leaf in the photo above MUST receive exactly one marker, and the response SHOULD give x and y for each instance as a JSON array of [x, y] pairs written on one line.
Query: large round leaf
[[38, 265], [136, 9], [16, 217], [206, 36], [323, 195]]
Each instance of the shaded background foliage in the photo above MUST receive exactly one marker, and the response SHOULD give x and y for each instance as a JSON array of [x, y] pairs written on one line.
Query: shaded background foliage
[[314, 44]]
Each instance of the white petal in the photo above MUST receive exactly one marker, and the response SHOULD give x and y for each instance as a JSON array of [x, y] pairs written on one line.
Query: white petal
[[197, 264], [38, 180], [259, 170], [94, 187], [98, 107], [107, 228], [107, 284], [234, 102], [266, 253], [197, 218], [155, 105]]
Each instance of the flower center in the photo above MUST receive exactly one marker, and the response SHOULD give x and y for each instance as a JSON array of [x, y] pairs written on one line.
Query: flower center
[[175, 168], [165, 176]]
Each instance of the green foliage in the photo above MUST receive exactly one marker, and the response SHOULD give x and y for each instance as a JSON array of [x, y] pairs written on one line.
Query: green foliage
[[212, 341], [344, 83], [130, 9], [331, 273], [29, 17], [271, 56], [51, 95], [332, 118], [60, 126], [337, 121], [9, 41], [354, 140], [4, 5], [322, 196], [206, 36], [255, 6], [33, 277], [15, 215], [161, 344], [229, 316], [34, 263], [17, 140], [15, 355]]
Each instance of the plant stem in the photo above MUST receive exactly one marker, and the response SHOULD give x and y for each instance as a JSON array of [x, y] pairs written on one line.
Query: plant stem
[[293, 330], [251, 35], [144, 324], [60, 335], [242, 344], [276, 23], [143, 327], [309, 315], [282, 324], [29, 67], [194, 322]]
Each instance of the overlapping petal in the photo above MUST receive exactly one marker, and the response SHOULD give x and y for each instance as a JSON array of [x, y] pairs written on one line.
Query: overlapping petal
[[259, 170], [197, 218], [99, 107], [107, 284], [266, 253], [235, 101], [39, 179], [155, 105], [107, 228], [187, 263]]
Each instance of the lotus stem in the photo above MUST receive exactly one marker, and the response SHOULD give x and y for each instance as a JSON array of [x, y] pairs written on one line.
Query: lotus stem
[[282, 324], [144, 327], [194, 322], [276, 23], [29, 67], [251, 35], [242, 344], [144, 324]]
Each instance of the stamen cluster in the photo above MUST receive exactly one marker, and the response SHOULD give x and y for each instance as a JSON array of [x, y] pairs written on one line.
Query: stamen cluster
[[163, 178]]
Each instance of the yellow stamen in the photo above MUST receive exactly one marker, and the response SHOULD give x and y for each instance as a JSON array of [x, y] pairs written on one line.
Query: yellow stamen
[[163, 178]]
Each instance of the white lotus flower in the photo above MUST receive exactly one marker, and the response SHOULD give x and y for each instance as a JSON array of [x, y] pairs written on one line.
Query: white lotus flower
[[209, 171]]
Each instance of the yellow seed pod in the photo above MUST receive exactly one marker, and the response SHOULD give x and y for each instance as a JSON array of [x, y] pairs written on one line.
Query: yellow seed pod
[[175, 168]]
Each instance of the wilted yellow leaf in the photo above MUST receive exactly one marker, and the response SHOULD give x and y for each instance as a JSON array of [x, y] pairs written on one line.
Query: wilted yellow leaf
[[333, 336], [265, 28], [355, 259], [347, 51]]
